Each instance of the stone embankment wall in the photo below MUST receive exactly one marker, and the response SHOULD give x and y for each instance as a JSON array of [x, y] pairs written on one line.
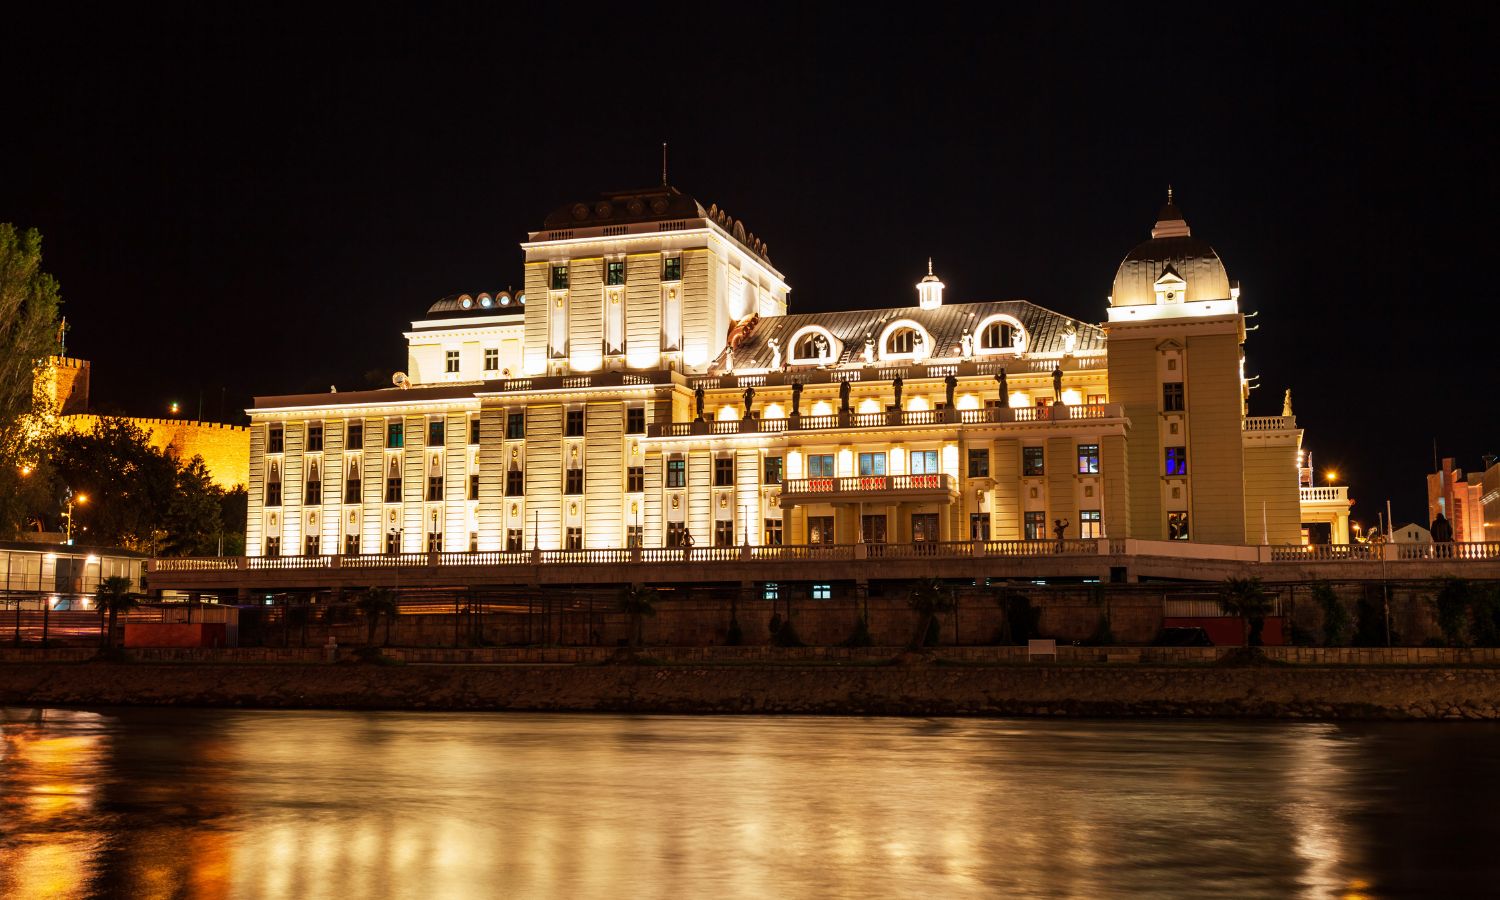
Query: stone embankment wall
[[925, 690]]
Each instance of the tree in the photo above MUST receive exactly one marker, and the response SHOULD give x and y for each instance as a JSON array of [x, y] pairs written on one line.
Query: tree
[[113, 597], [1451, 604], [374, 603], [130, 484], [638, 602], [930, 598], [1246, 599], [1336, 624], [29, 305], [192, 515]]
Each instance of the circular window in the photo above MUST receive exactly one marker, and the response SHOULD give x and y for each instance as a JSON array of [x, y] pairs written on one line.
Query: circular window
[[521, 299], [466, 302], [485, 301]]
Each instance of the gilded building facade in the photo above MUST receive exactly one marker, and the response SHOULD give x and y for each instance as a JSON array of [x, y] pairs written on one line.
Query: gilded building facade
[[648, 387]]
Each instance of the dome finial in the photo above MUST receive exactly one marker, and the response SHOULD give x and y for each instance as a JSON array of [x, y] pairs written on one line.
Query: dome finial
[[929, 265], [1169, 195]]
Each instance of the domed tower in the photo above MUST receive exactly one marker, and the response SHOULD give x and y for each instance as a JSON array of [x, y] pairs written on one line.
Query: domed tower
[[1174, 341]]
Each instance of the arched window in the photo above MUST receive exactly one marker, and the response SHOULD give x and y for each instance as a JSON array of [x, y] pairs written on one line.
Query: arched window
[[902, 340], [813, 345], [997, 335]]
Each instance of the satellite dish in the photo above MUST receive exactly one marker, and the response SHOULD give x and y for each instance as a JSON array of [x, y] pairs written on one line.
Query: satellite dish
[[399, 380]]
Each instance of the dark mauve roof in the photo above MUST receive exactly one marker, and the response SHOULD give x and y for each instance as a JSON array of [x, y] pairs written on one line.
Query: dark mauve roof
[[947, 324], [662, 202], [452, 307], [451, 391]]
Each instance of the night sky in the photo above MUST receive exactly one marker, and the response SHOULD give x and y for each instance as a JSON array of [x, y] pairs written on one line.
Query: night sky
[[220, 196]]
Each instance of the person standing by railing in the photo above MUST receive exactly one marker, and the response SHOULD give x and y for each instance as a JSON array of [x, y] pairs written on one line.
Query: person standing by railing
[[1060, 528]]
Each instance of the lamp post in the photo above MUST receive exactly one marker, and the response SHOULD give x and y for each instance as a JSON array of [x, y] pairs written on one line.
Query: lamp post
[[79, 499]]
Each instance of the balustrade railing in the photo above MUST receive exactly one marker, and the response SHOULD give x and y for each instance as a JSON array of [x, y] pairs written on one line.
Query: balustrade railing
[[856, 483], [990, 415]]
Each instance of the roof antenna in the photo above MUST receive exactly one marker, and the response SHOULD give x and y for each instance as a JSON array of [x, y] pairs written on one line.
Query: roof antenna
[[1169, 195], [663, 163]]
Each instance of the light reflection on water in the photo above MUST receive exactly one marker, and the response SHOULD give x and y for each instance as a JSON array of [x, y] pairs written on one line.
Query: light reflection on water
[[207, 803]]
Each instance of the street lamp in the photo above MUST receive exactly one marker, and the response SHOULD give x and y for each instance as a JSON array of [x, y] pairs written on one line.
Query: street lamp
[[79, 499], [1330, 476]]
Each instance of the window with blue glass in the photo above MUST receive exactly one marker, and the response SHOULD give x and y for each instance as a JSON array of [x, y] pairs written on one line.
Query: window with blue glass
[[924, 462], [820, 466], [1176, 460], [872, 464], [1088, 459], [394, 437]]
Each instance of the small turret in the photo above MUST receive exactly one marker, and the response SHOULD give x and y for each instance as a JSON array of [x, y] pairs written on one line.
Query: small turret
[[930, 289]]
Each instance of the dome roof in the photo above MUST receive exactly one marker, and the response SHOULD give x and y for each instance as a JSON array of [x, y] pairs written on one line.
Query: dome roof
[[1173, 246]]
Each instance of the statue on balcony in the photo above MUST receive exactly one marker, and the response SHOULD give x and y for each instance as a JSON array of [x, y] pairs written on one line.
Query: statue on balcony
[[749, 401], [775, 346], [797, 398], [1070, 337], [967, 344], [951, 382], [698, 400], [896, 385], [1057, 385], [1004, 389], [843, 396], [1286, 403]]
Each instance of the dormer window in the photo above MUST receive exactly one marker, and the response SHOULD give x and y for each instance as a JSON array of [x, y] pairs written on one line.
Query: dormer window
[[903, 340], [1170, 288], [560, 278], [997, 336], [812, 346]]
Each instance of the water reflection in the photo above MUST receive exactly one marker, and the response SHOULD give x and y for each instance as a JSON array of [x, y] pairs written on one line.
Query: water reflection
[[309, 804]]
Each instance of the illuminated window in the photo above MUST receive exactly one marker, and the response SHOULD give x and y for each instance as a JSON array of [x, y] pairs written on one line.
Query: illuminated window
[[774, 533], [614, 272], [770, 591], [923, 462], [676, 534], [723, 471], [273, 545], [356, 438], [1177, 526], [633, 536], [635, 420], [574, 423], [1171, 396], [1090, 523], [1035, 524], [1033, 461], [559, 278], [635, 479], [773, 470], [274, 440], [811, 346], [822, 592], [671, 269], [515, 426], [997, 336], [315, 437], [573, 539], [434, 542], [979, 463], [351, 544], [394, 436], [820, 529], [1088, 459], [676, 473], [820, 465], [979, 526], [491, 359], [902, 340], [515, 541], [723, 534], [450, 361], [1176, 460]]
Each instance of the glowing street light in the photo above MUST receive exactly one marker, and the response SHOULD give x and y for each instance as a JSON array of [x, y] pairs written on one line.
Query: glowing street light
[[80, 499], [1330, 475], [175, 407]]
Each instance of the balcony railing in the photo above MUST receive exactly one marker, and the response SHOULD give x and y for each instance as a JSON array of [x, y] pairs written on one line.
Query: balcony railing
[[991, 415], [1270, 423], [851, 484], [1333, 492]]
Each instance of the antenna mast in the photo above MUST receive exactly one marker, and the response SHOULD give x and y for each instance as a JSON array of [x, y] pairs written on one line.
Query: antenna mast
[[663, 163]]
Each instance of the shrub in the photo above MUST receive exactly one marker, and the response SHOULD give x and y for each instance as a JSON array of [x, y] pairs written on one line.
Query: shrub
[[1451, 604], [1020, 619], [1336, 624]]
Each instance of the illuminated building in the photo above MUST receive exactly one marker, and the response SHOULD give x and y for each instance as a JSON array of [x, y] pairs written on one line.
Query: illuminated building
[[1470, 502], [648, 387]]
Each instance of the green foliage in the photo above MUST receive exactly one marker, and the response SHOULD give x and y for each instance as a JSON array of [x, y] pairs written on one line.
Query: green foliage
[[1485, 614], [375, 603], [929, 598], [1369, 618], [638, 602], [29, 303], [1451, 604], [1246, 599], [1336, 623], [1020, 620], [113, 597]]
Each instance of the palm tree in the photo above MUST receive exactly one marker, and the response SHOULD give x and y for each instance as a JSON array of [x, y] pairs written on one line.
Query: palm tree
[[638, 602], [1245, 598], [930, 598], [113, 597], [374, 603]]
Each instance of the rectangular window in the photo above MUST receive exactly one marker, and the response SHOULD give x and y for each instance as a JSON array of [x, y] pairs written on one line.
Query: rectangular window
[[473, 542], [273, 493], [924, 462], [274, 439], [676, 534], [1032, 461], [515, 426], [450, 361], [1090, 523], [515, 483], [723, 534], [979, 463], [394, 436], [820, 529], [474, 486], [633, 536], [671, 269], [434, 487], [1176, 460], [356, 436], [822, 592], [820, 465], [1043, 402], [314, 493], [393, 489], [573, 539], [315, 438], [872, 464], [774, 532], [474, 430], [353, 490], [435, 433], [770, 591], [614, 272], [1098, 399], [492, 359], [635, 479], [635, 420], [723, 471], [310, 546], [773, 469], [515, 542], [573, 484], [574, 423], [351, 544], [559, 278], [392, 542], [1171, 396], [1088, 459], [1177, 526], [1035, 526], [434, 542], [273, 545], [676, 473], [979, 526], [872, 529]]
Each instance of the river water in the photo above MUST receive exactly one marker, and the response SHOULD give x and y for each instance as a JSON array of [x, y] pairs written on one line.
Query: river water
[[220, 803]]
